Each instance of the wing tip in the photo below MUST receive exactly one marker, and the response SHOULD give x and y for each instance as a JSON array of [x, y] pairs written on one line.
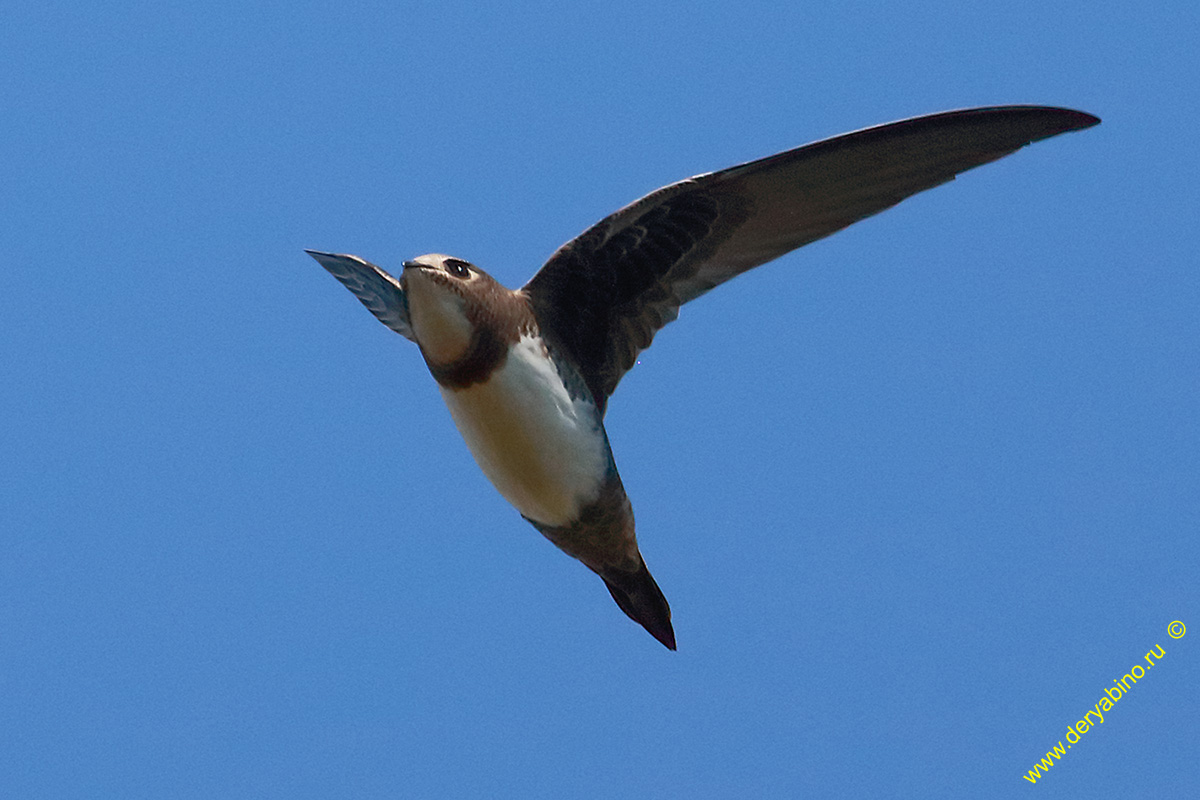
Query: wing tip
[[1041, 122], [321, 256], [1066, 119]]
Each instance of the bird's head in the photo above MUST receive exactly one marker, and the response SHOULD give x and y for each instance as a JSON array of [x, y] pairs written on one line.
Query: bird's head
[[448, 301]]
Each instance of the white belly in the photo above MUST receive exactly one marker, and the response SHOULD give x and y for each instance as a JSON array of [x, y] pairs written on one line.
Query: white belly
[[544, 451]]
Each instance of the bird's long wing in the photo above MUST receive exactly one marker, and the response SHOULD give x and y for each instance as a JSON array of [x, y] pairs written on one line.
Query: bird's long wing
[[603, 295], [381, 293]]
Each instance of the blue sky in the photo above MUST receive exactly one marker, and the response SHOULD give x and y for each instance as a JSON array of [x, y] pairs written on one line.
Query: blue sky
[[918, 493]]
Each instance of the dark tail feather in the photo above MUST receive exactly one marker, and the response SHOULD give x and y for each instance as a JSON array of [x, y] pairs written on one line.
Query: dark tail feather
[[640, 598]]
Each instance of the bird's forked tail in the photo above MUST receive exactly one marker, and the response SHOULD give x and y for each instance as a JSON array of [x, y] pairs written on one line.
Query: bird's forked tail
[[640, 598]]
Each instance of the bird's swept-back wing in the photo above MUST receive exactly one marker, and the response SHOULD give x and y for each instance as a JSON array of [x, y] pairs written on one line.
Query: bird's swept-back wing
[[616, 284]]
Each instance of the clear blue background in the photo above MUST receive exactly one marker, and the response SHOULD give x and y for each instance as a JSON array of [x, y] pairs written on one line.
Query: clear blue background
[[917, 493]]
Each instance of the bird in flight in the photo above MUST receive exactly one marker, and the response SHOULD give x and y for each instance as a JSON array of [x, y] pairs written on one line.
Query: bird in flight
[[527, 373]]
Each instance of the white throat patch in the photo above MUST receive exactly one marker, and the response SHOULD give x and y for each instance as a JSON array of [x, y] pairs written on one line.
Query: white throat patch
[[439, 318]]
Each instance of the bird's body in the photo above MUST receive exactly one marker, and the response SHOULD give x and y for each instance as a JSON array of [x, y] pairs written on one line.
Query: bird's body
[[526, 374], [543, 447]]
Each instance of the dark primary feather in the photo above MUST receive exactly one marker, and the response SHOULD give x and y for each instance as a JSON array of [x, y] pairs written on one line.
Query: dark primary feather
[[603, 295]]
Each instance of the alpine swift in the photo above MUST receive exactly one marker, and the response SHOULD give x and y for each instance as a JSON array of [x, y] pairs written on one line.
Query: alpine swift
[[527, 374]]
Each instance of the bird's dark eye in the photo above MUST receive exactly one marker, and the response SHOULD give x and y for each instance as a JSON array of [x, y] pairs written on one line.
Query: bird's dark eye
[[459, 269]]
